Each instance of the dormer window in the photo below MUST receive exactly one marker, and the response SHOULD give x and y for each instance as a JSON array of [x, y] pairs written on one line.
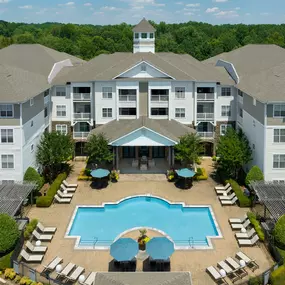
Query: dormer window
[[137, 35], [144, 35], [143, 68], [151, 35]]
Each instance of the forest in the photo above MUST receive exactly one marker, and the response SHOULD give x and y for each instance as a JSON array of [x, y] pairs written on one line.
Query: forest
[[200, 40]]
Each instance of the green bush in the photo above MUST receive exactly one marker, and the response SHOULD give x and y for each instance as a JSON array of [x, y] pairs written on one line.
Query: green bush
[[17, 279], [30, 228], [87, 171], [278, 276], [255, 280], [46, 201], [9, 273], [256, 224], [33, 176], [9, 233], [279, 233], [201, 174], [255, 174], [5, 261], [243, 200]]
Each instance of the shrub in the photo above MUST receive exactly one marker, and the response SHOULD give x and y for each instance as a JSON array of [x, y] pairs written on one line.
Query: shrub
[[279, 232], [278, 276], [84, 178], [5, 261], [9, 233], [17, 279], [256, 224], [30, 228], [25, 281], [255, 174], [214, 158], [255, 280], [9, 273], [87, 171], [201, 174], [243, 200], [198, 161], [33, 176]]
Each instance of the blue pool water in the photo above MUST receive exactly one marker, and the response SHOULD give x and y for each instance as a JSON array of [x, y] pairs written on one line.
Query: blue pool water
[[108, 222]]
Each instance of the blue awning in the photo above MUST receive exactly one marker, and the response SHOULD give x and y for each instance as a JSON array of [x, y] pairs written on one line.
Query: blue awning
[[124, 249], [99, 173], [185, 172], [160, 248]]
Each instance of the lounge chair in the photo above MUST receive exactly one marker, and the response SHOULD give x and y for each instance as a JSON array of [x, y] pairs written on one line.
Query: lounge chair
[[46, 229], [247, 235], [63, 188], [223, 187], [66, 270], [31, 257], [63, 195], [42, 237], [229, 202], [216, 275], [222, 192], [230, 273], [90, 279], [240, 226], [61, 200], [66, 184], [237, 268], [237, 220], [230, 197], [75, 274], [35, 249], [251, 264], [52, 265], [249, 242]]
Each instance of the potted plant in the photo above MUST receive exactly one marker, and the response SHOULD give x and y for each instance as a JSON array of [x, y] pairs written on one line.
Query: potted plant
[[170, 175], [114, 176], [143, 239]]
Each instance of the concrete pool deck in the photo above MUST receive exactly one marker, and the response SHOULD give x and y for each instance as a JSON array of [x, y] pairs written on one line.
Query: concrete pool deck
[[195, 261]]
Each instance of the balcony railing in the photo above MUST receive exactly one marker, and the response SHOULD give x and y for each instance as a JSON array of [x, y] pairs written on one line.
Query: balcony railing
[[127, 98], [205, 96], [81, 96], [46, 99], [47, 120], [159, 98], [80, 135], [206, 134], [205, 116], [81, 116]]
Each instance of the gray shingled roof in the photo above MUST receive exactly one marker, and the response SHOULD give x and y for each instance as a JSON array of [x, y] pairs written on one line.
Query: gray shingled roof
[[144, 27], [143, 278], [171, 129]]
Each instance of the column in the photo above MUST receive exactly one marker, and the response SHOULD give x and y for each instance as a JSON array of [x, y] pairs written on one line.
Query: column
[[172, 154], [137, 152], [114, 157], [117, 157], [150, 152], [169, 156]]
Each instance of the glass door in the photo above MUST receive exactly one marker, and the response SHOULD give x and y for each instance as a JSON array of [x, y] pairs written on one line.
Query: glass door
[[143, 151], [158, 151]]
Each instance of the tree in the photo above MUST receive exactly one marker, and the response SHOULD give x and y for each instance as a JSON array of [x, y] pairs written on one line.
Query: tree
[[31, 175], [234, 152], [54, 149], [255, 174], [98, 149], [188, 149]]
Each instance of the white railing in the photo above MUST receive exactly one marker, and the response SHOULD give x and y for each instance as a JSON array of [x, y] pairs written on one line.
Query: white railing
[[81, 116], [127, 98], [159, 98], [81, 96], [206, 134], [46, 99], [80, 135], [47, 120], [205, 116], [205, 96]]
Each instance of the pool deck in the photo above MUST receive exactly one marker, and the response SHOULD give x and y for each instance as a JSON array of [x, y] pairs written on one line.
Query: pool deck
[[195, 261]]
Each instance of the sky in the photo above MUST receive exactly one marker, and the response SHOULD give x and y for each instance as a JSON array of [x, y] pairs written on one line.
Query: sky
[[103, 12]]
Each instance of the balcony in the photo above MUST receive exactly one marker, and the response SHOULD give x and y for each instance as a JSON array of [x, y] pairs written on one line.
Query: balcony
[[81, 96], [206, 134], [205, 96], [159, 98], [46, 99], [82, 116], [127, 98], [80, 135], [205, 116], [47, 120]]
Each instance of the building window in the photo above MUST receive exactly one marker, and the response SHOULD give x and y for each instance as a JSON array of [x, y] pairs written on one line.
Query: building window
[[278, 181], [240, 93], [179, 112], [6, 111], [279, 110], [179, 92], [137, 35], [143, 68], [7, 136], [32, 147], [126, 95], [60, 91], [159, 95], [279, 161], [61, 128], [46, 93], [7, 181], [151, 35], [32, 123], [31, 101], [61, 110], [127, 111], [7, 161], [205, 90], [81, 90], [46, 112], [107, 93], [226, 111], [240, 112], [279, 135], [159, 111], [226, 91], [223, 128], [144, 35], [107, 113]]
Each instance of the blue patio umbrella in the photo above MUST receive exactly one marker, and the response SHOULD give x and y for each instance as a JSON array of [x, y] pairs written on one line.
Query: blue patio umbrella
[[99, 173], [124, 249], [160, 248], [185, 172]]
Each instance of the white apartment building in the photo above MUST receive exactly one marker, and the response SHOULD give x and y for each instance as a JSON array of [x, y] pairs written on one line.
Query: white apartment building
[[144, 102]]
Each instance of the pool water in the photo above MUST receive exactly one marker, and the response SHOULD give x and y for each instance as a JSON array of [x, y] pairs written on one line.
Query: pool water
[[184, 225]]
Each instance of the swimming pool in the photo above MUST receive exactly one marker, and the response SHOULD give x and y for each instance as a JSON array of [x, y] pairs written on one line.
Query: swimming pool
[[187, 226]]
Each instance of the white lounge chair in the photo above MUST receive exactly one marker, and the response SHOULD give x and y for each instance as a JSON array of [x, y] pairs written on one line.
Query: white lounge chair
[[75, 274], [223, 187], [222, 192], [237, 268], [230, 273], [251, 264], [240, 226], [246, 235], [46, 229], [66, 184], [229, 202], [230, 197], [62, 200], [35, 249], [66, 270], [237, 220], [63, 188], [42, 237], [63, 195], [216, 275], [90, 279], [249, 242], [31, 257], [52, 265]]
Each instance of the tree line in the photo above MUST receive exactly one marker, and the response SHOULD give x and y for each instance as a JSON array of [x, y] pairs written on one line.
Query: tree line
[[198, 39]]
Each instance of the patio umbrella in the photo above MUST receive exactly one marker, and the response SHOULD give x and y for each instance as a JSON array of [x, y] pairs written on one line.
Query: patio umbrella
[[124, 249], [160, 248], [99, 173], [185, 173]]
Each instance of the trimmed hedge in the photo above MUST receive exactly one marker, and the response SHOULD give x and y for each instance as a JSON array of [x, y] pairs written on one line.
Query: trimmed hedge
[[279, 233], [5, 261], [254, 174], [201, 174], [277, 277], [30, 228], [243, 200], [46, 201], [33, 176], [256, 225]]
